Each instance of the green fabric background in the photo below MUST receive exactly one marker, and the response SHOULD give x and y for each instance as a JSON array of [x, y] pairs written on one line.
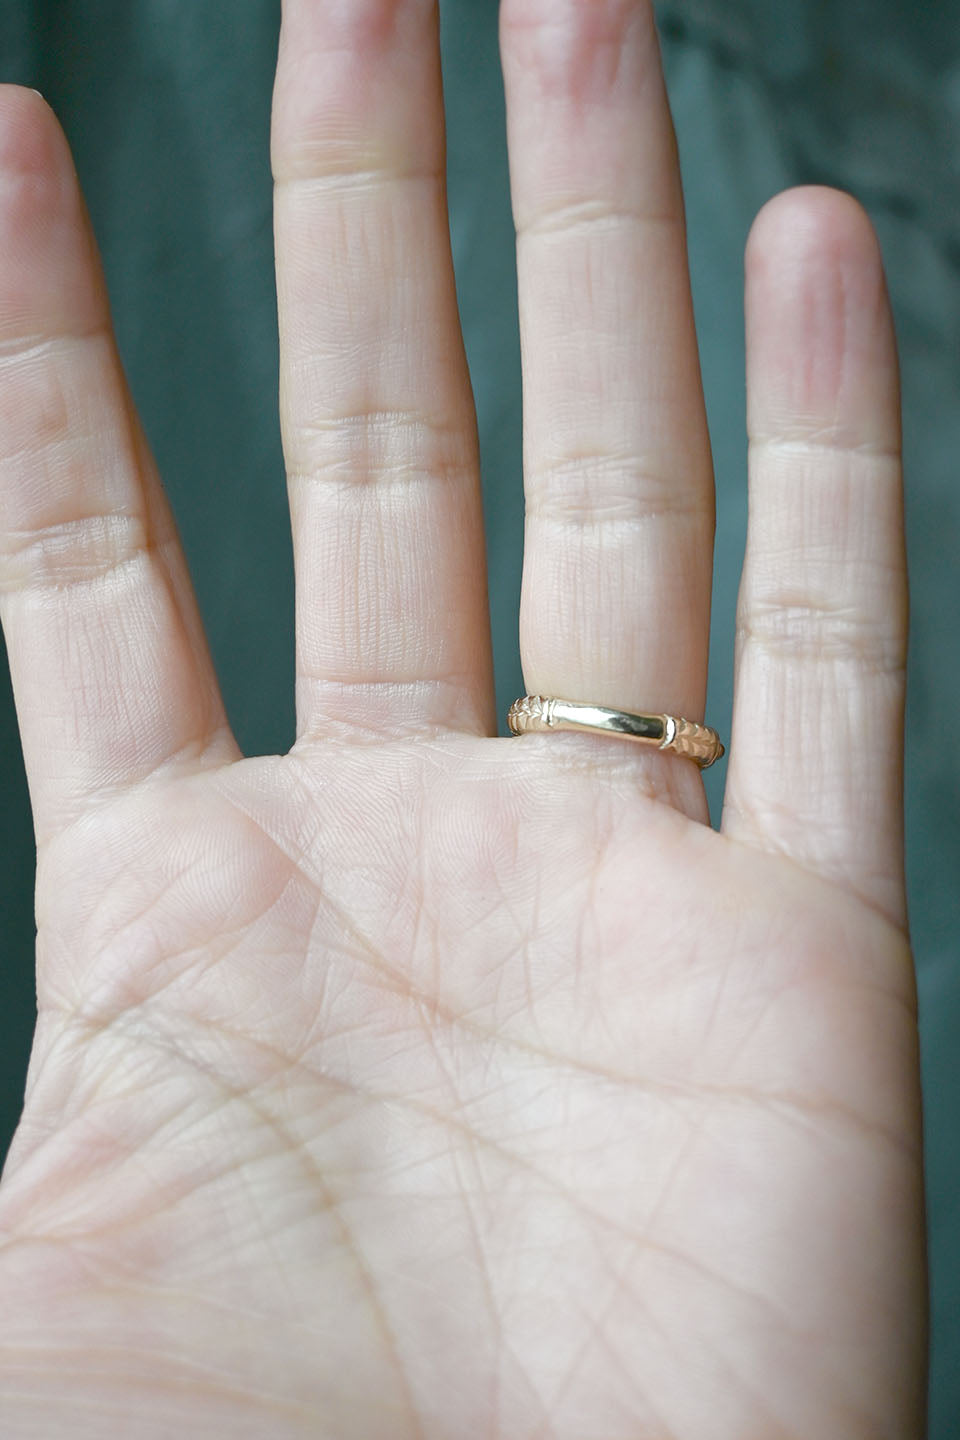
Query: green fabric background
[[166, 103]]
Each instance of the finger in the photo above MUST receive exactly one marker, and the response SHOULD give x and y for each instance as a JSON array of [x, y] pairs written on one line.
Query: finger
[[617, 466], [110, 670], [378, 421], [816, 754]]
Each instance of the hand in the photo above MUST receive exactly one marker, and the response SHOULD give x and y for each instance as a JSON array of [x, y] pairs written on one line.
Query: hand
[[418, 1082]]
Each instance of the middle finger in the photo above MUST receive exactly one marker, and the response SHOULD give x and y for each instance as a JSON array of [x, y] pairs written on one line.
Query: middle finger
[[379, 428]]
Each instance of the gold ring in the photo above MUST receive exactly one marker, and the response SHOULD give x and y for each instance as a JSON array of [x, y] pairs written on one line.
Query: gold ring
[[668, 732]]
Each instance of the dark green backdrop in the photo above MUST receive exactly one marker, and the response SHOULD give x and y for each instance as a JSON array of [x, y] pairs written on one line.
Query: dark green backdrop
[[166, 103]]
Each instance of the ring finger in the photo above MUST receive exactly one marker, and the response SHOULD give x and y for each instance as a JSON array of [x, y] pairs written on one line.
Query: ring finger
[[617, 466]]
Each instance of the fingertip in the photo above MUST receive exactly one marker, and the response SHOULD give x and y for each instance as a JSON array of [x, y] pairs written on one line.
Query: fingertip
[[809, 221], [49, 270], [37, 177], [820, 339], [32, 143]]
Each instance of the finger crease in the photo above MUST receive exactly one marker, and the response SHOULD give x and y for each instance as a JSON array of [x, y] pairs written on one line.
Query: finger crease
[[822, 633], [78, 551], [594, 214]]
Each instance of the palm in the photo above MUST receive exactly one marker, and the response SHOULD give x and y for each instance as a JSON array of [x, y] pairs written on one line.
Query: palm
[[618, 1142], [425, 1083]]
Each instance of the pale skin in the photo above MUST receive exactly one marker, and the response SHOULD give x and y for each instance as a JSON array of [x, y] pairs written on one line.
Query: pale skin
[[423, 1083]]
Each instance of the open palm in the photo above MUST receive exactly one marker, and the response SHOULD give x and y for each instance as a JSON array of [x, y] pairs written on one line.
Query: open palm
[[420, 1082]]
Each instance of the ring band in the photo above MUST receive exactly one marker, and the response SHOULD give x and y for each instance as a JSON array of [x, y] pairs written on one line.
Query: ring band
[[668, 732]]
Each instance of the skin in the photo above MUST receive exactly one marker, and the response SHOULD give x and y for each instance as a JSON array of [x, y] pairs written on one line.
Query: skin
[[422, 1083]]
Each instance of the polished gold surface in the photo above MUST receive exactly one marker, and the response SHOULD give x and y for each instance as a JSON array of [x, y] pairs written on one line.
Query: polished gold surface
[[667, 732]]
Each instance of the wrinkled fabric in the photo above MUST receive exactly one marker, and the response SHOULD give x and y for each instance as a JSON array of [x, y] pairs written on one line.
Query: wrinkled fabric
[[166, 103]]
